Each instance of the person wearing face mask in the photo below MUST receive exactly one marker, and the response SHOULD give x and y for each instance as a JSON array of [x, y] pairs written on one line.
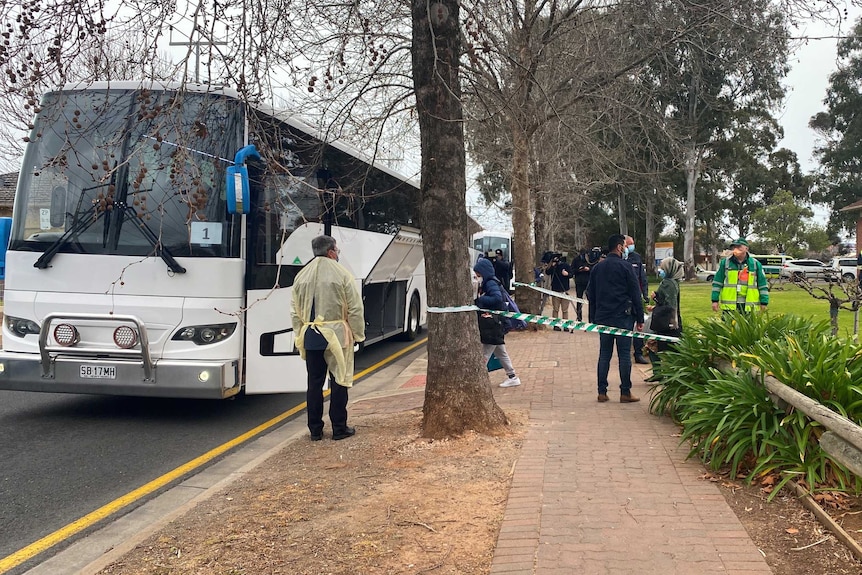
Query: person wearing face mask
[[739, 283], [616, 301], [666, 319], [639, 268], [490, 296]]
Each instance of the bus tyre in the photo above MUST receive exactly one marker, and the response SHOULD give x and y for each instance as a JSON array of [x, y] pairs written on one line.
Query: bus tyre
[[411, 329]]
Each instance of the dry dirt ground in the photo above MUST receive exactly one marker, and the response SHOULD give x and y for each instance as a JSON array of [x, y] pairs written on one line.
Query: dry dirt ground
[[388, 502]]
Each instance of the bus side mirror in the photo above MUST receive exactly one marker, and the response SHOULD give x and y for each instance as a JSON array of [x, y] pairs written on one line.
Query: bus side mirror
[[237, 185]]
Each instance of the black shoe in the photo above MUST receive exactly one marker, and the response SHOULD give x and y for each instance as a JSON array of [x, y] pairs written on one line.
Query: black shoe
[[316, 436], [557, 328], [641, 359], [348, 432]]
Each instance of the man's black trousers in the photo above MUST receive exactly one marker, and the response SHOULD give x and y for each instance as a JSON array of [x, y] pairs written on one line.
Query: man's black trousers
[[316, 366]]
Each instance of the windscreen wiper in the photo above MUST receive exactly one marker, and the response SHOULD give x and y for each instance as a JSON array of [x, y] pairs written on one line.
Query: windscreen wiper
[[79, 226], [148, 233]]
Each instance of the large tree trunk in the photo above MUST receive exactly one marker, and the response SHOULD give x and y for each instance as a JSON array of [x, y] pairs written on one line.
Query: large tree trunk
[[541, 219], [649, 233], [621, 211], [522, 225], [457, 395], [692, 173]]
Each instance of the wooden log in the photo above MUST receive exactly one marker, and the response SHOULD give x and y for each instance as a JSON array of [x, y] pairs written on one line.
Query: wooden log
[[826, 519], [842, 452], [848, 430]]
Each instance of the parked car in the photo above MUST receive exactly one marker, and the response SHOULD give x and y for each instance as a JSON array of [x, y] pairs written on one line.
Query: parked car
[[846, 266], [808, 269], [704, 274]]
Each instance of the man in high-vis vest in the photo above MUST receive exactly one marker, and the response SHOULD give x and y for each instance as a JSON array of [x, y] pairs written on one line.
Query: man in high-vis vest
[[739, 283]]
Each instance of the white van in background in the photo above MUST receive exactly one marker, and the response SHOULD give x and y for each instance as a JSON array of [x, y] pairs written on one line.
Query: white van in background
[[846, 265]]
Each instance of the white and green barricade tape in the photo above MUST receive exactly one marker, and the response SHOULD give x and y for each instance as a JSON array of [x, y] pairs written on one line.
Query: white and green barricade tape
[[558, 322], [552, 293]]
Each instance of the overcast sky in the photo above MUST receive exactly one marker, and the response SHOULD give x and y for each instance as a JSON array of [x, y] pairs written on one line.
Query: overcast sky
[[806, 84]]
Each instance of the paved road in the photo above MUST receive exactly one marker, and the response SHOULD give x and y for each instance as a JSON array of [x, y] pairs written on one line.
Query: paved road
[[64, 456]]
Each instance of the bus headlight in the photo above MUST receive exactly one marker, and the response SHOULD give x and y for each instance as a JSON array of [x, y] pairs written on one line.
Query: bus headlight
[[21, 327], [205, 334]]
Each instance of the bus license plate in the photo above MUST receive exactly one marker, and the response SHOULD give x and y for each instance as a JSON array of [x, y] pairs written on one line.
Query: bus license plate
[[99, 372]]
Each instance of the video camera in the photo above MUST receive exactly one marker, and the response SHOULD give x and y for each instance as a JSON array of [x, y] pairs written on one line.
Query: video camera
[[551, 257]]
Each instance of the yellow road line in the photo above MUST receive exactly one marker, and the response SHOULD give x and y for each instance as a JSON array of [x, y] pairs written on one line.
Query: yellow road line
[[88, 520]]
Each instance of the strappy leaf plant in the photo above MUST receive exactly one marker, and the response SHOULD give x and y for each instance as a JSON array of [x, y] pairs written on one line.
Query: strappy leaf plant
[[705, 384]]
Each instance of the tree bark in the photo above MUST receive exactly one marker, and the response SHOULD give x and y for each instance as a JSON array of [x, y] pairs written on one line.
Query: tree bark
[[621, 211], [522, 224], [692, 173], [649, 233], [457, 394]]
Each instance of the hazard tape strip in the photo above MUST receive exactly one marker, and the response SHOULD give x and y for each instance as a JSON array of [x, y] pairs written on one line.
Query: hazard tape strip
[[557, 322], [553, 293]]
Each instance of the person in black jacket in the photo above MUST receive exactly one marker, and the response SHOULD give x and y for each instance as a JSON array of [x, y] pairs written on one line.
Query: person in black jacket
[[615, 301], [581, 266], [560, 273], [502, 269], [491, 297], [639, 268]]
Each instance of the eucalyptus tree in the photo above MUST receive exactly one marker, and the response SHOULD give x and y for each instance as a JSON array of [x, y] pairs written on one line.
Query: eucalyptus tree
[[783, 222], [733, 58], [840, 129]]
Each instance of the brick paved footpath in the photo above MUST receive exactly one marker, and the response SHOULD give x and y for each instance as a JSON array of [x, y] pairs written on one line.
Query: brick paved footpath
[[602, 488]]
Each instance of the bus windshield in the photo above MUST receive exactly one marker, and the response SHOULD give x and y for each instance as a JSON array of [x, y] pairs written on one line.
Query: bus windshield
[[129, 172]]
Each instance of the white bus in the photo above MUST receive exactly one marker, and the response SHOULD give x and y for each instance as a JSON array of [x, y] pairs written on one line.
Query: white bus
[[152, 253], [488, 242]]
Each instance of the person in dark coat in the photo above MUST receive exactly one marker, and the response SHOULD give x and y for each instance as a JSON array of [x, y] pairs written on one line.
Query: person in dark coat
[[581, 266], [639, 268], [560, 273], [615, 301], [491, 296], [503, 269]]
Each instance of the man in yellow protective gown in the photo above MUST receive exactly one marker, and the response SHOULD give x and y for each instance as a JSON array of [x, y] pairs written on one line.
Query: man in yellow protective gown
[[328, 318]]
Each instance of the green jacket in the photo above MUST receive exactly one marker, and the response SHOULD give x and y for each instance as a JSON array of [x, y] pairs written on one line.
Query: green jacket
[[730, 289]]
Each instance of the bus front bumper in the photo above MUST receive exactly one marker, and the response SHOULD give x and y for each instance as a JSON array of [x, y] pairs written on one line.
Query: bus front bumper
[[112, 376]]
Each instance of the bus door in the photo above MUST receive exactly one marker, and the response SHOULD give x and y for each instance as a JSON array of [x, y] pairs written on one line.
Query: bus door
[[278, 246], [389, 284]]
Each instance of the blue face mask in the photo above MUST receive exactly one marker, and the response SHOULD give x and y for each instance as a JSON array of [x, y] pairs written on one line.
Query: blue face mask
[[631, 248], [662, 274]]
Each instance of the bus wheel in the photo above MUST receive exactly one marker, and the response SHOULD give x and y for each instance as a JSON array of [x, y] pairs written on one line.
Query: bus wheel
[[412, 328]]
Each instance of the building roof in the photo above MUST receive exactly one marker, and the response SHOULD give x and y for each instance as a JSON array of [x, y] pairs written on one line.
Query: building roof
[[855, 206], [8, 183]]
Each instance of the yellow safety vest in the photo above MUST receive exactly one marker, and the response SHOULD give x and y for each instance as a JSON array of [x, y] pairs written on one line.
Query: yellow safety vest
[[733, 292]]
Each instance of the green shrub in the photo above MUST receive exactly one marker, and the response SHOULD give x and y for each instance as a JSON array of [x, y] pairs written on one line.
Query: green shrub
[[705, 384]]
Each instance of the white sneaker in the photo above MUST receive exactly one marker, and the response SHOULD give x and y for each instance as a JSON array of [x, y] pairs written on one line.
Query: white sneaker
[[511, 382]]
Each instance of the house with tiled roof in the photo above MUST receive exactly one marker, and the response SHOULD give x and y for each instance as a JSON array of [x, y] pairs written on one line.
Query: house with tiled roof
[[8, 183]]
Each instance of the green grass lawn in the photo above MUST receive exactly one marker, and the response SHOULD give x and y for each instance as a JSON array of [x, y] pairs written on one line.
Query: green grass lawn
[[784, 299]]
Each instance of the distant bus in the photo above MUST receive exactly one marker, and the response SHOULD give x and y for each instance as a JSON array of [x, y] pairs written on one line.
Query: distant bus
[[488, 242], [772, 264], [152, 254]]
